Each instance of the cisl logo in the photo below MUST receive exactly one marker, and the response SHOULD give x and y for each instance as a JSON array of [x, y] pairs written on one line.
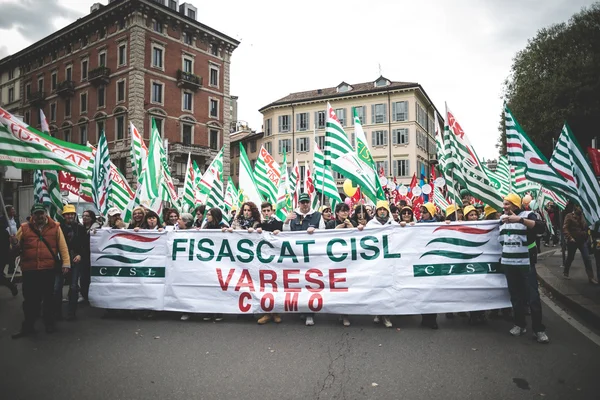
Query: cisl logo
[[132, 251]]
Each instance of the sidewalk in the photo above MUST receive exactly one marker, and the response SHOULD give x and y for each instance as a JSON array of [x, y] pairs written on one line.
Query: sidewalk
[[577, 293]]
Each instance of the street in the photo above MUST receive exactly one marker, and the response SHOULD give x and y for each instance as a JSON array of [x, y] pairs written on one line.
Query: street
[[165, 358]]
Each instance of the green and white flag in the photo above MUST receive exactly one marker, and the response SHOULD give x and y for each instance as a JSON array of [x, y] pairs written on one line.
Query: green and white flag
[[139, 152], [189, 192], [519, 182], [324, 181], [547, 195], [364, 154], [500, 178], [214, 176], [44, 122], [54, 201], [24, 147], [266, 175], [232, 196], [284, 204], [342, 158], [101, 183], [169, 191], [207, 179], [247, 185], [40, 189], [571, 162]]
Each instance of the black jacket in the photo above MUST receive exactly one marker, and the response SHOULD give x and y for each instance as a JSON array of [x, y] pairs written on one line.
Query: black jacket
[[75, 236], [271, 225]]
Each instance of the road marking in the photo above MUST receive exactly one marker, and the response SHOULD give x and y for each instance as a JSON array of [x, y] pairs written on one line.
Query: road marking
[[549, 251], [570, 320]]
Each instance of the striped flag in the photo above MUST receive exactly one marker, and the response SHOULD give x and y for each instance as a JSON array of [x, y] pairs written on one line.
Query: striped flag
[[547, 195], [169, 191], [570, 161], [266, 175], [500, 178], [309, 188], [284, 199], [340, 155], [519, 182], [523, 153], [247, 185], [324, 181], [24, 147], [40, 189], [364, 154], [44, 122], [101, 183], [139, 152], [207, 179], [215, 196], [54, 202], [295, 183], [232, 196], [189, 192]]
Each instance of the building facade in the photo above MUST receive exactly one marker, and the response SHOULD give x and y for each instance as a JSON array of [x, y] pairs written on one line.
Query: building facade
[[397, 118], [251, 141], [128, 62]]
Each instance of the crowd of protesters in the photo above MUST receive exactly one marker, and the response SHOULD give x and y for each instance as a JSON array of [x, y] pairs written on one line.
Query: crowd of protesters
[[52, 254]]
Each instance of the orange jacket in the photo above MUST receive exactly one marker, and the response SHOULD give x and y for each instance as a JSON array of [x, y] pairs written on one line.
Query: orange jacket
[[35, 254]]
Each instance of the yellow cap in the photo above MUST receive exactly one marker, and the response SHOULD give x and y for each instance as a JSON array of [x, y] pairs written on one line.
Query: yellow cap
[[451, 208], [468, 209], [430, 207], [382, 204], [513, 198], [488, 210], [69, 209]]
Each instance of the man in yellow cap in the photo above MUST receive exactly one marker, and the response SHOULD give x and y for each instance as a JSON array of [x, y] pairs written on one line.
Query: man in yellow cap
[[74, 234], [518, 230]]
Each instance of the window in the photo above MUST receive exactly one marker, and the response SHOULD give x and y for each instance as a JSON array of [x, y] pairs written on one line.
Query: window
[[421, 167], [101, 33], [421, 140], [157, 57], [285, 146], [284, 123], [268, 127], [122, 55], [27, 91], [400, 136], [321, 142], [214, 76], [11, 95], [157, 26], [84, 41], [320, 118], [40, 85], [83, 102], [268, 146], [421, 116], [302, 145], [214, 108], [187, 101], [83, 136], [173, 4], [400, 111], [157, 90], [54, 55], [214, 50], [341, 115], [120, 128], [121, 91], [67, 107], [378, 113], [337, 175], [186, 134], [187, 38], [11, 74], [84, 70], [53, 81], [187, 65], [361, 112], [102, 59], [253, 146], [99, 129], [101, 96], [401, 168], [379, 138], [213, 139], [53, 112], [302, 121], [382, 165], [122, 24], [67, 134], [26, 117], [191, 13], [159, 124], [69, 73], [430, 126]]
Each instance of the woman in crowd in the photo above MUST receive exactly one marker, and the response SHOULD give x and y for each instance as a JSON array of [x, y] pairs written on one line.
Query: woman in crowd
[[326, 214], [407, 216], [151, 222], [172, 217], [214, 220], [475, 317], [137, 217], [90, 225], [185, 222], [361, 216], [453, 214], [248, 219], [471, 213], [199, 213], [427, 216]]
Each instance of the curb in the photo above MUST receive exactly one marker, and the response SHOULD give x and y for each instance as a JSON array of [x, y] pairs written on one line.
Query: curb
[[584, 307]]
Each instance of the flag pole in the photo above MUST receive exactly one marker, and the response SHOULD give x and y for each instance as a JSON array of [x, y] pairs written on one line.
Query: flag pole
[[323, 171]]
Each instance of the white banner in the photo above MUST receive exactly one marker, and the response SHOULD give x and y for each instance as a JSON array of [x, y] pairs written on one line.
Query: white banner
[[425, 268]]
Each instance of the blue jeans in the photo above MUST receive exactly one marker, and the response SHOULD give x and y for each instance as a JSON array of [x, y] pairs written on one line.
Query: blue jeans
[[73, 291], [584, 248]]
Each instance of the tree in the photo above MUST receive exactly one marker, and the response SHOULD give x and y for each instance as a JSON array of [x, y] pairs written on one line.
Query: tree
[[556, 78]]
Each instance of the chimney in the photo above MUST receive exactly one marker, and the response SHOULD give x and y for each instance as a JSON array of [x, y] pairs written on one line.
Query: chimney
[[95, 7]]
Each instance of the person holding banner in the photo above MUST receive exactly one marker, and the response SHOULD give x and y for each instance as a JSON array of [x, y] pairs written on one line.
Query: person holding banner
[[407, 216], [172, 218], [137, 217], [185, 222], [248, 219], [199, 213], [395, 212], [518, 230], [475, 317], [361, 216], [214, 220], [453, 214], [114, 219], [89, 225], [326, 214], [151, 222], [427, 216]]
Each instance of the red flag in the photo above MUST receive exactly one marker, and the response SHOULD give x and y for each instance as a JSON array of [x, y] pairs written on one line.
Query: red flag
[[413, 183], [594, 155], [416, 206], [357, 196], [69, 183]]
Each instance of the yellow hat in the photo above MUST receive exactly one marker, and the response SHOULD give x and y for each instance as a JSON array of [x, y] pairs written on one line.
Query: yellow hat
[[468, 209], [451, 208], [488, 210], [382, 204], [513, 198], [430, 207], [69, 209]]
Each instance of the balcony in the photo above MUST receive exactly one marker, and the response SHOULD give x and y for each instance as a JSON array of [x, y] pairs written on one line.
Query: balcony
[[187, 80], [194, 149], [37, 99], [66, 88], [99, 76]]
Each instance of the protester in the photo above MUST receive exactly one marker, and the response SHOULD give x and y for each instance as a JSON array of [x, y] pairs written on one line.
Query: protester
[[326, 214], [467, 198], [395, 212], [89, 225], [454, 213], [74, 234], [475, 317], [151, 222], [269, 224], [576, 236], [172, 217], [553, 215], [382, 217], [407, 216], [5, 255], [40, 242], [199, 213], [360, 216], [137, 217], [214, 220], [471, 213], [185, 222], [248, 219], [114, 219], [428, 216], [595, 231], [10, 222], [518, 230], [490, 213]]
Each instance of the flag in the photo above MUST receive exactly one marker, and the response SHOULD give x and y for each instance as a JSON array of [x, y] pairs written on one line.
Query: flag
[[547, 195], [519, 182], [44, 123], [309, 188], [413, 184], [247, 186], [212, 180], [295, 183], [40, 189], [523, 153], [266, 176], [324, 181], [232, 197], [169, 191], [54, 202], [594, 155], [364, 154], [139, 152], [101, 183], [189, 192], [24, 147], [342, 158], [570, 161], [501, 177], [207, 179], [284, 204]]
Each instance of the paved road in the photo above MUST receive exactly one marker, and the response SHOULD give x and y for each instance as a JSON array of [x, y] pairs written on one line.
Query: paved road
[[165, 358]]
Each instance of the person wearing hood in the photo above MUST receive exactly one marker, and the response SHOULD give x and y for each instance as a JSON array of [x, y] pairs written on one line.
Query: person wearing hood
[[428, 216], [326, 213], [518, 230], [382, 217]]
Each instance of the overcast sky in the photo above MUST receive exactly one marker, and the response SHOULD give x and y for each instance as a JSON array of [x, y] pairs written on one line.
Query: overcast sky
[[459, 51]]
